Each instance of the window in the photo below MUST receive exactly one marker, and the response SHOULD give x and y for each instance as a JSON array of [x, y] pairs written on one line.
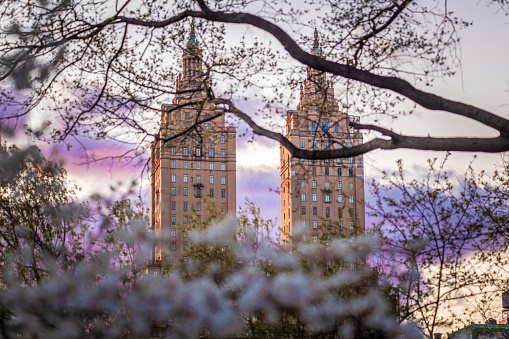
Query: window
[[338, 145], [327, 185], [173, 218], [313, 126], [223, 166], [302, 143], [315, 210], [326, 171], [326, 145], [198, 192], [314, 184], [350, 160], [314, 196], [187, 115], [184, 191], [198, 206], [351, 212], [350, 199], [223, 180], [340, 185], [173, 151], [185, 220], [339, 171], [184, 151], [198, 165], [223, 153], [313, 144], [198, 140], [303, 197], [336, 127], [315, 224], [327, 224], [222, 139], [173, 233], [173, 191], [211, 165], [173, 205], [340, 198], [350, 185], [327, 197], [303, 237], [351, 225], [173, 178], [302, 183], [211, 140], [184, 164], [211, 152], [211, 179], [325, 125], [327, 212], [223, 193], [198, 179], [348, 144], [173, 246], [185, 246], [340, 213], [350, 172], [173, 164], [185, 206], [303, 208], [211, 192], [340, 225], [185, 178], [303, 223]]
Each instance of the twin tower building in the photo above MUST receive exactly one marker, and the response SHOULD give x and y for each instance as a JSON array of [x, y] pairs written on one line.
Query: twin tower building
[[193, 170]]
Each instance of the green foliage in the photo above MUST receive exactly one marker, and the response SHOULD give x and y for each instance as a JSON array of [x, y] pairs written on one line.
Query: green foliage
[[39, 216]]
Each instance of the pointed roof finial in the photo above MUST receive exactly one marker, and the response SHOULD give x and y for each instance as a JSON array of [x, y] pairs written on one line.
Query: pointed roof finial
[[316, 44], [192, 36]]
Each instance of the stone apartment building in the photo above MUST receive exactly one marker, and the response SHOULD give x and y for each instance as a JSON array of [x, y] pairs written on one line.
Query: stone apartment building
[[320, 195], [189, 170], [186, 167]]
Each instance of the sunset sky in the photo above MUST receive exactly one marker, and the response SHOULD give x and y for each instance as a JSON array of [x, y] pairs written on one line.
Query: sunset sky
[[482, 80]]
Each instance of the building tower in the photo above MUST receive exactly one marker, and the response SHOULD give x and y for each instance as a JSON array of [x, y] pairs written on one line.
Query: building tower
[[189, 167], [320, 195]]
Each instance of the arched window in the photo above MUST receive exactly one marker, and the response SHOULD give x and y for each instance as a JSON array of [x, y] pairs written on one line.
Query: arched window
[[325, 125]]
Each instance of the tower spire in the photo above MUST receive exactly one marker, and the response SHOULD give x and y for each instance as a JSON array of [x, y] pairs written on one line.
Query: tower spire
[[192, 36], [316, 45]]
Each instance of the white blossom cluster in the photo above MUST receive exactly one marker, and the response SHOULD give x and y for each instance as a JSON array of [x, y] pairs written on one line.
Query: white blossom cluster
[[97, 299]]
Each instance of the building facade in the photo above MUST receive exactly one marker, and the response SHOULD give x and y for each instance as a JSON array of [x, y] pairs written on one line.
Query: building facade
[[191, 168], [320, 197]]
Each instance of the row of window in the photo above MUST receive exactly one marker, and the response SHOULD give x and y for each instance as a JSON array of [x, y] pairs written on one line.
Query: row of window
[[326, 144], [174, 247], [174, 232], [198, 165], [327, 224], [351, 212], [199, 140], [198, 194], [326, 184], [327, 197], [198, 181], [185, 152], [324, 126]]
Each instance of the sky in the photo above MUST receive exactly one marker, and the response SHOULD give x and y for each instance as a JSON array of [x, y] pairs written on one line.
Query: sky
[[482, 80]]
